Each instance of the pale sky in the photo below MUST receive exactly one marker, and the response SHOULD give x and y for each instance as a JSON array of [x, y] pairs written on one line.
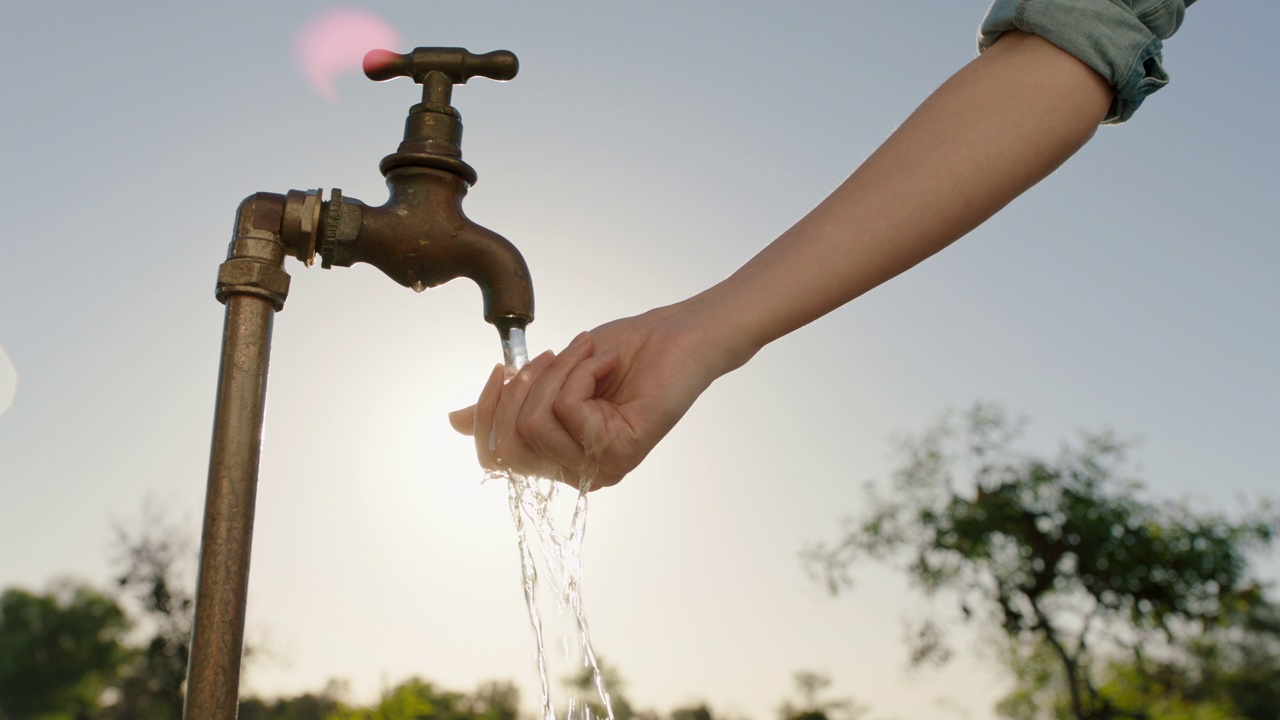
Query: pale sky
[[643, 153]]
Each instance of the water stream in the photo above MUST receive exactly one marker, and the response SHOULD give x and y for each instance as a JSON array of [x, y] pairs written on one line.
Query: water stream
[[533, 503]]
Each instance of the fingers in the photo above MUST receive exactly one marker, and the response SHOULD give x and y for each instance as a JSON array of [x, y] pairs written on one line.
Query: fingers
[[508, 446], [536, 422], [572, 406], [483, 415]]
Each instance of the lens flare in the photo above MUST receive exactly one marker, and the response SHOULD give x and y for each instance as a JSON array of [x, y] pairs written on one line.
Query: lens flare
[[8, 381], [333, 42]]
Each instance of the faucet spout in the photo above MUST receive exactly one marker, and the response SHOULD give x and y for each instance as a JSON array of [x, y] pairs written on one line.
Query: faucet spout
[[421, 238], [500, 271]]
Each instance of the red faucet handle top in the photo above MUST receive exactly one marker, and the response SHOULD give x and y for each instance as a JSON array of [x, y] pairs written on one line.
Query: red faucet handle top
[[458, 64], [382, 65]]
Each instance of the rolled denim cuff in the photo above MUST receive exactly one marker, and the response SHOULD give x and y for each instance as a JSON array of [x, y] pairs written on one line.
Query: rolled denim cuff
[[1121, 39]]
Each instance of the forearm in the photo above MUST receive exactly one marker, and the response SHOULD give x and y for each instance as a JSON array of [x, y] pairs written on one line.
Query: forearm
[[997, 127]]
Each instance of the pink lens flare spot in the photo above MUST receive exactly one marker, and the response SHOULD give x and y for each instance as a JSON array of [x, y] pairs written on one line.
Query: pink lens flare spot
[[333, 43]]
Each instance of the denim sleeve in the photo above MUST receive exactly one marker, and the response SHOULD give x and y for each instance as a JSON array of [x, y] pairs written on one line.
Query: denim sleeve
[[1121, 39]]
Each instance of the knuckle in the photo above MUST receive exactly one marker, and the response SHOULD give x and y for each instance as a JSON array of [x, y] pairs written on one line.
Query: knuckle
[[527, 426], [561, 407]]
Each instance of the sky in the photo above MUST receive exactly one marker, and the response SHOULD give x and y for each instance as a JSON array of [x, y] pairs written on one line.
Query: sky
[[644, 151]]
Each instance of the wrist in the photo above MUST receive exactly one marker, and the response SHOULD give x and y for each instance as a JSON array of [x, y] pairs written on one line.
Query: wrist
[[719, 328]]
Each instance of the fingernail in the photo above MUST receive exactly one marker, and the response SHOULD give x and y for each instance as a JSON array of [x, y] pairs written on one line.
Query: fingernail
[[578, 341]]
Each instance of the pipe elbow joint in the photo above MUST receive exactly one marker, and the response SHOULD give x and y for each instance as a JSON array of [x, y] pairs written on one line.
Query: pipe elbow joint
[[260, 216]]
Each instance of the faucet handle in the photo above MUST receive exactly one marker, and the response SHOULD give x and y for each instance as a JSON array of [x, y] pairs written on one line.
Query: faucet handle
[[438, 69]]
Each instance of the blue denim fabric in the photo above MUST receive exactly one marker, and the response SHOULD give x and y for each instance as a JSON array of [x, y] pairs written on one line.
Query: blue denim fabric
[[1121, 39]]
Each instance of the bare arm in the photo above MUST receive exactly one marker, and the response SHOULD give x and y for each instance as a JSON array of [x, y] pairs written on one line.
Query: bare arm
[[997, 127], [993, 130]]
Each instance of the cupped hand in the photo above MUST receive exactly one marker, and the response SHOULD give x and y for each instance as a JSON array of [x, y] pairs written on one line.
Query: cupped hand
[[599, 407]]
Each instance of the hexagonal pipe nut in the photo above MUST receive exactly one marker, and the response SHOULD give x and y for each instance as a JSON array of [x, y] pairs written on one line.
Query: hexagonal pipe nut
[[244, 276]]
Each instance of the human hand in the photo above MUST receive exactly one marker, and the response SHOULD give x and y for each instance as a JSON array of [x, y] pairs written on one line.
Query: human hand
[[602, 405]]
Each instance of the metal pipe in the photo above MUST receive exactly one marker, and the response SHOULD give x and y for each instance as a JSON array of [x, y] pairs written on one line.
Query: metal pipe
[[421, 238], [253, 284]]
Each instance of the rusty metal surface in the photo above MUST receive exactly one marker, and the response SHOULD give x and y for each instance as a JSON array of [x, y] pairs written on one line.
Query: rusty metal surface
[[300, 224], [251, 277], [253, 284], [217, 640], [458, 65], [419, 237]]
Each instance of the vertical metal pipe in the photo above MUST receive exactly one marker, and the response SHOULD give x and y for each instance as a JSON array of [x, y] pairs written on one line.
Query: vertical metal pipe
[[253, 284], [217, 642]]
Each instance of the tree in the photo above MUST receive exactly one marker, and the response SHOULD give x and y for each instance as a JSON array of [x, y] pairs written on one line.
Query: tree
[[495, 700], [1092, 588], [59, 652], [154, 568], [584, 685], [811, 686]]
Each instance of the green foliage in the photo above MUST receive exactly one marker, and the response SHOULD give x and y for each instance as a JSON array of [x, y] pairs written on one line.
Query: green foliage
[[416, 699], [410, 700], [74, 654], [1063, 557], [58, 652], [1231, 668], [1126, 686], [308, 706], [693, 712]]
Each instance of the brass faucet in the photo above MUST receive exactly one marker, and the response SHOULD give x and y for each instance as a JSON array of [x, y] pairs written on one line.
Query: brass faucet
[[419, 237]]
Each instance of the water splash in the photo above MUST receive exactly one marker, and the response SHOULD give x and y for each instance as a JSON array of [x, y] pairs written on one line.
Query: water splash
[[532, 502]]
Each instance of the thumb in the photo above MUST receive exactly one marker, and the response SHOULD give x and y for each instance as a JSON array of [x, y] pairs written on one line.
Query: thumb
[[463, 420]]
